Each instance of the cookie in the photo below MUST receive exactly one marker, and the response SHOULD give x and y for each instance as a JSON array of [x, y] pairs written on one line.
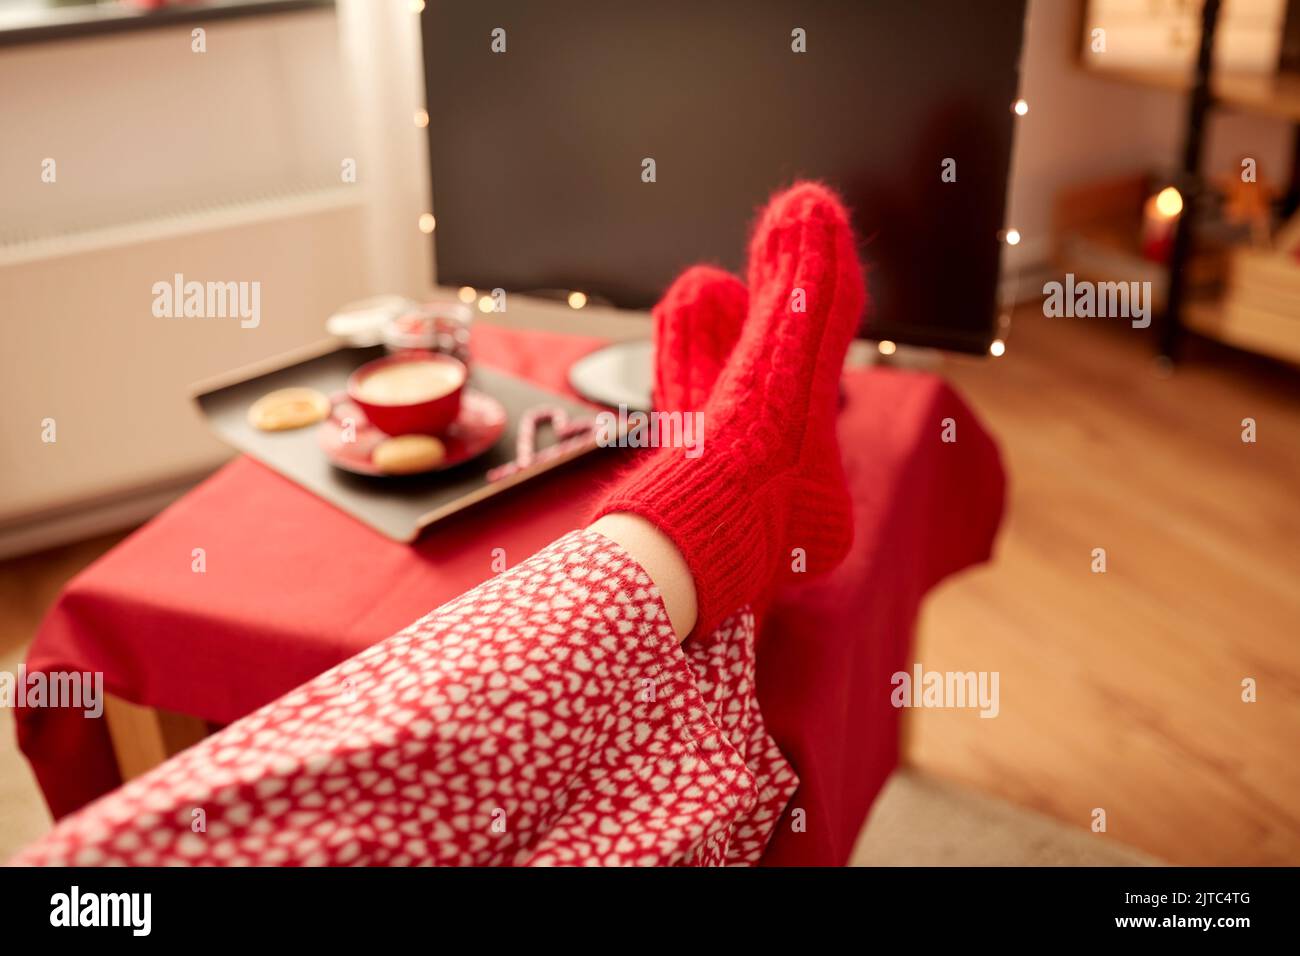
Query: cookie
[[288, 408], [408, 454]]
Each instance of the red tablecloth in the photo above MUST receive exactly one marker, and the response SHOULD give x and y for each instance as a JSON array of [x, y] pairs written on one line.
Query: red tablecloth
[[293, 586]]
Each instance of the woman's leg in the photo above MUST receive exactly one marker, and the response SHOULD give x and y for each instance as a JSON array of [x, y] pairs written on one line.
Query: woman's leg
[[696, 327], [547, 716], [768, 487], [657, 554]]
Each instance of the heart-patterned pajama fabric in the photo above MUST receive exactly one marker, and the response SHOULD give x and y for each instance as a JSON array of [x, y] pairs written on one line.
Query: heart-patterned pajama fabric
[[547, 717]]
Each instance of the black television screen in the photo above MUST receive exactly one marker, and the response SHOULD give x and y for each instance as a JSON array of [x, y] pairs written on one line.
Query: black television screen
[[542, 117]]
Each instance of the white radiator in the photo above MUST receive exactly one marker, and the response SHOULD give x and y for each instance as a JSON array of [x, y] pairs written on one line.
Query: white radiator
[[85, 360]]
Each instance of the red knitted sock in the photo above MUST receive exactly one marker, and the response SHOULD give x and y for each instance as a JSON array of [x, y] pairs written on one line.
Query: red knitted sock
[[696, 325], [769, 478]]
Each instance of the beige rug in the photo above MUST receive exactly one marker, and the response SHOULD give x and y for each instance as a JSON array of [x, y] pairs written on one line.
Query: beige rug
[[920, 821]]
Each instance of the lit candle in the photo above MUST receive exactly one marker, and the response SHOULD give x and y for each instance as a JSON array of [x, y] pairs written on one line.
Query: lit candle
[[1159, 219]]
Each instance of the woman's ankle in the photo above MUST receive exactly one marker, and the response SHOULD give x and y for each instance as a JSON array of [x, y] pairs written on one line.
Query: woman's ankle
[[662, 561]]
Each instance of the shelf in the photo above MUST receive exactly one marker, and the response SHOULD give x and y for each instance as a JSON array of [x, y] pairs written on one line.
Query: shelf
[[1101, 254], [1266, 333], [1275, 94]]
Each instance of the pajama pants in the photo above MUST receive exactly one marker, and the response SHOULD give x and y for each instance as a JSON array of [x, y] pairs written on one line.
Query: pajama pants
[[547, 717]]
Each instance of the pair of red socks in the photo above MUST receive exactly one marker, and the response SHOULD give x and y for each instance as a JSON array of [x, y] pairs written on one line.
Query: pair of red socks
[[765, 497]]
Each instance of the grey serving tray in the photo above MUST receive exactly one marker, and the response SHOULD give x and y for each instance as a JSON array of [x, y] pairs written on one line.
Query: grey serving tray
[[398, 507]]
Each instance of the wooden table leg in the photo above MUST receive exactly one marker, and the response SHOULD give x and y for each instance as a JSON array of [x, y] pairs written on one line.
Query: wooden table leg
[[144, 737]]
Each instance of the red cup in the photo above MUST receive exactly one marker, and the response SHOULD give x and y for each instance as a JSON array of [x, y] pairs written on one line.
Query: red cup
[[427, 417]]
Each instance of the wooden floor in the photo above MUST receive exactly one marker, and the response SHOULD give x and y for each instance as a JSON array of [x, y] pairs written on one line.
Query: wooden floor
[[29, 585], [1123, 691], [1119, 691]]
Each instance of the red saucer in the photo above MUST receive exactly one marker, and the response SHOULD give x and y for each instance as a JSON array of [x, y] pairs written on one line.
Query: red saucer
[[481, 422]]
